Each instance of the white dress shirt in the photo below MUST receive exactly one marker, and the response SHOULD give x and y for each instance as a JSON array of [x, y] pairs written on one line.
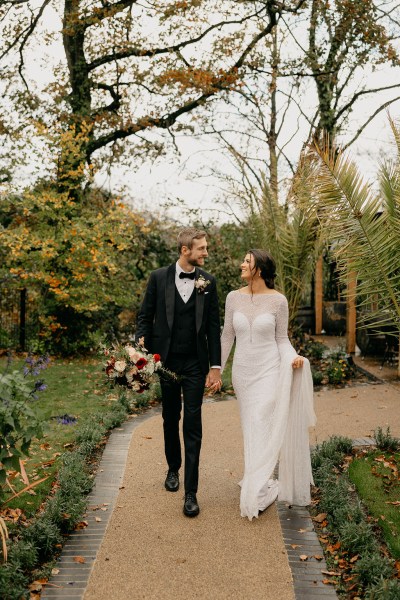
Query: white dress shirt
[[185, 287]]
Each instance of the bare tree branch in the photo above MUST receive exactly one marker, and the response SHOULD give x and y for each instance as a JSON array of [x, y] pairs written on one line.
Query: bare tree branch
[[364, 125]]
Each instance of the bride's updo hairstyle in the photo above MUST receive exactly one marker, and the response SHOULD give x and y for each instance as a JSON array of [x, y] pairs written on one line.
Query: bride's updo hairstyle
[[267, 266]]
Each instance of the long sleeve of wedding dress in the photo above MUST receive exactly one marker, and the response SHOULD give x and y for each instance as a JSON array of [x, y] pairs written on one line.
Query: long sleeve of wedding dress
[[276, 402]]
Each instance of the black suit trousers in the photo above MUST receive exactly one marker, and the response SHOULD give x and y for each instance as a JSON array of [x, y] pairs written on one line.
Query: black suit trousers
[[191, 387]]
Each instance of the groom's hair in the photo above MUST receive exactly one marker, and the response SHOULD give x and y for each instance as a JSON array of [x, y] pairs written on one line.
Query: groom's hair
[[187, 235]]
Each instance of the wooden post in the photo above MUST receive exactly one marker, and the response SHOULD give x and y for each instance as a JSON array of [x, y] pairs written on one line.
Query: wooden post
[[319, 292], [22, 320], [351, 313]]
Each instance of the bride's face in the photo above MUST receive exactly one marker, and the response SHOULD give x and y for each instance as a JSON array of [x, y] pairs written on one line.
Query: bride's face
[[247, 268]]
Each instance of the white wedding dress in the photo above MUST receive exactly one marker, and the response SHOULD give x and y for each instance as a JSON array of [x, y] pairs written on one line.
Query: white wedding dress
[[276, 401]]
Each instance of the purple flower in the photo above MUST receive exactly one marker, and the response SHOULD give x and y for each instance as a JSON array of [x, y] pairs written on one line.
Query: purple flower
[[66, 419], [40, 386]]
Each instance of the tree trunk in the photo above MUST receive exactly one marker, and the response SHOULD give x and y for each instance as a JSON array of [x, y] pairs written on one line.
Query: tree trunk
[[73, 153], [272, 135]]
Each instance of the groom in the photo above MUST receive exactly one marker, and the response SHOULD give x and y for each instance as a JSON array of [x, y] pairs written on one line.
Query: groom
[[179, 320]]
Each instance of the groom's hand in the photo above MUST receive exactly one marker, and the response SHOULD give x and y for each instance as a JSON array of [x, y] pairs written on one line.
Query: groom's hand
[[213, 381]]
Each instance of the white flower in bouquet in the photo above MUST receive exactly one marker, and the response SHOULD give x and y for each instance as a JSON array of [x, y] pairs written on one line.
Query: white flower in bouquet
[[120, 366]]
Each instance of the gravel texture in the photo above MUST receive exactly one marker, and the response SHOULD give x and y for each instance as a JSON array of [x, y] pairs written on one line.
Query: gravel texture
[[151, 550]]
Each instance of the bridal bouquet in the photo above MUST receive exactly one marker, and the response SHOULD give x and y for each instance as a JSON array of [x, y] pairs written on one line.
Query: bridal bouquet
[[133, 367]]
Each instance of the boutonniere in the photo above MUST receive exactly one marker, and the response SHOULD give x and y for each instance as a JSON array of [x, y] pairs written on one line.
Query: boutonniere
[[201, 284]]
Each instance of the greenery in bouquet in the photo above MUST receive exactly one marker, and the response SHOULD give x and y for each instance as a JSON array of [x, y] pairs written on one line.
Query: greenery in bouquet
[[133, 367]]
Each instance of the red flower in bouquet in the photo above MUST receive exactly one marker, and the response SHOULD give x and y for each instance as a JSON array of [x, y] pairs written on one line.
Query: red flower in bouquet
[[142, 362]]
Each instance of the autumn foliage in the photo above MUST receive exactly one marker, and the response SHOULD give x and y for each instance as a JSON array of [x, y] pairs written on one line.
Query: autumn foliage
[[77, 259]]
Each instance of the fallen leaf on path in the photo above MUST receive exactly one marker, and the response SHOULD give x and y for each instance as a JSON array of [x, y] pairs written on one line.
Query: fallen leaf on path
[[319, 518], [97, 519], [294, 546], [79, 559], [303, 557]]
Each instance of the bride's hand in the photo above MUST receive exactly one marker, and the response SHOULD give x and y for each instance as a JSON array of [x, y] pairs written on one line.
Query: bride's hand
[[297, 362]]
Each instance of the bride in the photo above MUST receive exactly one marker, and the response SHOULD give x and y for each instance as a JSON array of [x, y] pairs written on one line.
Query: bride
[[273, 386]]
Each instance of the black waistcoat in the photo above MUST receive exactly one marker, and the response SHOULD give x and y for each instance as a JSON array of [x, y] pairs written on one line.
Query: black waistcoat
[[183, 339]]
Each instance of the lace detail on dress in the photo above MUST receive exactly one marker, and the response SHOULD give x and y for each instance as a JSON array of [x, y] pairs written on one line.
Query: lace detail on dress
[[252, 307]]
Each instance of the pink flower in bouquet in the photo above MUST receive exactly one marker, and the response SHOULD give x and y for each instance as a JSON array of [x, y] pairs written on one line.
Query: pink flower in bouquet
[[133, 354]]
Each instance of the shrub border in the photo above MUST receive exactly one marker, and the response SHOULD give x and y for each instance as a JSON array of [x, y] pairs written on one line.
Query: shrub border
[[329, 458], [31, 554]]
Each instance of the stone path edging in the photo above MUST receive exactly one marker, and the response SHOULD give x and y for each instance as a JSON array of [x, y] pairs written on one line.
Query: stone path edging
[[71, 581]]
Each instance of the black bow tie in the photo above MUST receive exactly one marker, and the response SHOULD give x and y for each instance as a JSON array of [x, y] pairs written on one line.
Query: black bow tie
[[183, 275]]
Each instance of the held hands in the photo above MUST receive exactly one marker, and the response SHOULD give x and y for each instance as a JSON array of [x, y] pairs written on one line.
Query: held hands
[[297, 362], [213, 381]]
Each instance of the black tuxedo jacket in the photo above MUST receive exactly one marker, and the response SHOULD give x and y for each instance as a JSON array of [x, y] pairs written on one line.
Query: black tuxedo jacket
[[156, 316]]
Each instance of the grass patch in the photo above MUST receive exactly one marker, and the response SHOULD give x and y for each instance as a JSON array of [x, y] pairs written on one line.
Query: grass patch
[[75, 388], [375, 477]]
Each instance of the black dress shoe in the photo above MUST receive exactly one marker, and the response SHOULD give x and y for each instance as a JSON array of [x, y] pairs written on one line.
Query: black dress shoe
[[172, 481], [190, 507]]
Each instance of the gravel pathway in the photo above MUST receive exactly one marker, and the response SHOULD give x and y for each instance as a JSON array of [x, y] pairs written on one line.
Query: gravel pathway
[[143, 547]]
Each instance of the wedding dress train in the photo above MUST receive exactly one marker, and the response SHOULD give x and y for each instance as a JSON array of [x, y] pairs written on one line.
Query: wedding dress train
[[275, 400]]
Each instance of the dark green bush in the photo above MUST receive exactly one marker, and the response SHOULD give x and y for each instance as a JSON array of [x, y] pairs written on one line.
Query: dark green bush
[[348, 512], [357, 538], [371, 568], [317, 376], [24, 554], [334, 449], [335, 494], [388, 589], [313, 349], [89, 434], [44, 536], [385, 441], [13, 582]]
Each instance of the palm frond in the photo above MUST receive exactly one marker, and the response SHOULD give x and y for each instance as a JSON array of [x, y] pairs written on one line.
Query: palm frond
[[363, 228]]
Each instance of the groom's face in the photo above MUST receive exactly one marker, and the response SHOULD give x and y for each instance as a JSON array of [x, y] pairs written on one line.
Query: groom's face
[[197, 253]]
